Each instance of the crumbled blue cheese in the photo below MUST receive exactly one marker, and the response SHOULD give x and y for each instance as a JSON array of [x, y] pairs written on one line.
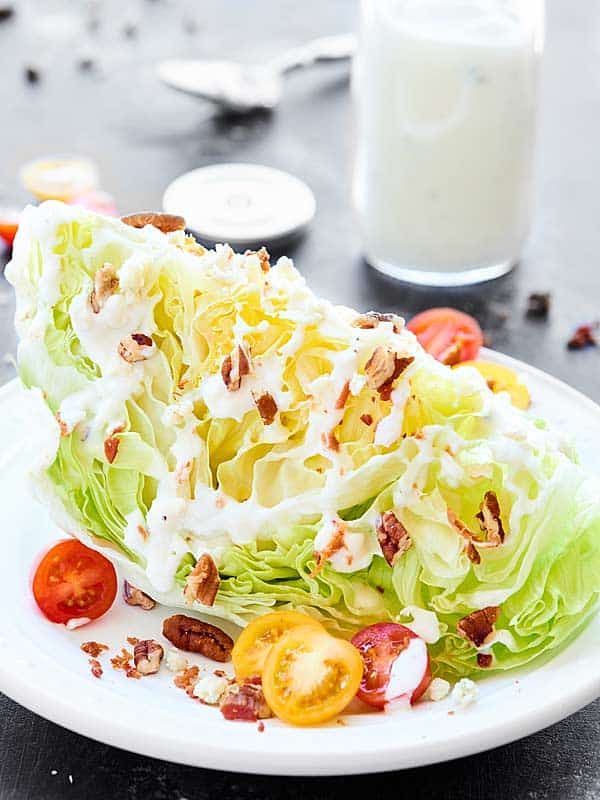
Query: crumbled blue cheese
[[438, 690], [176, 661], [465, 693], [211, 688]]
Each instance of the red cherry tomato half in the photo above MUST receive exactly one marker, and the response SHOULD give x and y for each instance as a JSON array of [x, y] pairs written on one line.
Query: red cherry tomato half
[[449, 335], [396, 664], [74, 582], [9, 223]]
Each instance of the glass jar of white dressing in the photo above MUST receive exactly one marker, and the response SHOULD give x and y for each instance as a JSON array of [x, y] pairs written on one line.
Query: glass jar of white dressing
[[445, 93]]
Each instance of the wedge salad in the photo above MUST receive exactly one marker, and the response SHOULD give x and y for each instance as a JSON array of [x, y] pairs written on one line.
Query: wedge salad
[[237, 445]]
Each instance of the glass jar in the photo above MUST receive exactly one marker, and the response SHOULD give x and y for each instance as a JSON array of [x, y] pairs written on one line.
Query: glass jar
[[445, 93]]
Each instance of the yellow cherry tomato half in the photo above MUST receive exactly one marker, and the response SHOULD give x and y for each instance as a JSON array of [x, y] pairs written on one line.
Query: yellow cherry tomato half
[[310, 676], [257, 639], [501, 379]]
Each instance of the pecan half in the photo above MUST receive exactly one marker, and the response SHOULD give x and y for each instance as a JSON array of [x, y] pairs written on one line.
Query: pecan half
[[372, 319], [538, 304], [263, 257], [234, 367], [132, 347], [135, 597], [195, 636], [167, 223], [202, 583], [267, 407], [106, 284], [476, 627], [392, 536], [147, 655], [245, 701], [489, 519]]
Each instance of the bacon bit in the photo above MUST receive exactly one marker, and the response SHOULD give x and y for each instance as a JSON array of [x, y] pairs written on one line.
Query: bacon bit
[[472, 553], [341, 722], [401, 364], [261, 726], [489, 519], [343, 397], [93, 649], [246, 702], [111, 448], [234, 367], [132, 640], [583, 337], [123, 662], [367, 419], [64, 428], [202, 584], [142, 532], [484, 660], [335, 544], [451, 713], [263, 257], [220, 502], [538, 304], [392, 536], [96, 668], [187, 679], [267, 407], [330, 441], [476, 627]]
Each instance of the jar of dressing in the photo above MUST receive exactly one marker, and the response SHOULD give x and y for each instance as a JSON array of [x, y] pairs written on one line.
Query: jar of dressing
[[445, 93]]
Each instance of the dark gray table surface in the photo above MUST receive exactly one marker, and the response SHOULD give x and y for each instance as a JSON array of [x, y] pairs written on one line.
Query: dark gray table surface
[[143, 135]]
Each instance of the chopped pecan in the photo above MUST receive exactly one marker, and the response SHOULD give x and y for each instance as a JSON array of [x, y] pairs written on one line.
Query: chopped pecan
[[263, 257], [392, 536], [234, 367], [367, 419], [452, 354], [538, 304], [167, 223], [484, 660], [195, 636], [472, 553], [267, 407], [245, 701], [95, 667], [476, 627], [93, 649], [489, 519], [380, 367], [372, 319], [123, 661], [342, 397], [135, 597], [147, 655], [583, 337], [111, 448], [106, 284], [202, 583], [334, 545], [133, 348]]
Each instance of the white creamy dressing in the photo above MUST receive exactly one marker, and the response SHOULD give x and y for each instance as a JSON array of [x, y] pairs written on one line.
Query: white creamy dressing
[[446, 95], [212, 520], [408, 670]]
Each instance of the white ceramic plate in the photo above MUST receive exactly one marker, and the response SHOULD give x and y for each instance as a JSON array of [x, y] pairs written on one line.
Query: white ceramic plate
[[42, 667]]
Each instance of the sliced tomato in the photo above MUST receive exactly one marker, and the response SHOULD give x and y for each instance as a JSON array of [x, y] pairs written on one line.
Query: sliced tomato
[[310, 676], [256, 640], [449, 335], [396, 664], [73, 581], [502, 379], [9, 224]]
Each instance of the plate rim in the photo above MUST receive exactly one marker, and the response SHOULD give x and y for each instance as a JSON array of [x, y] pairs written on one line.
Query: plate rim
[[252, 754]]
